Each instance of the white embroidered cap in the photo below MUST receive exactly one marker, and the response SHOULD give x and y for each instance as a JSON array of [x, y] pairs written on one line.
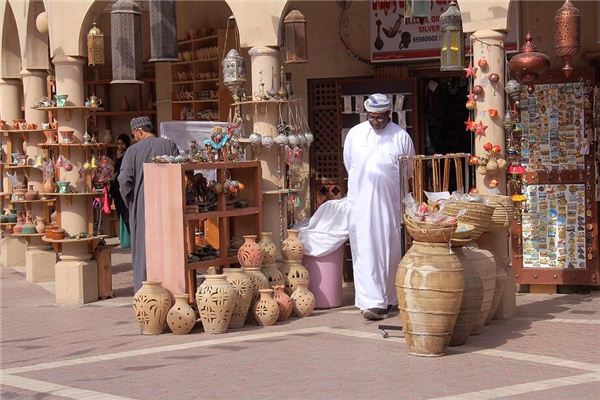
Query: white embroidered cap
[[377, 103]]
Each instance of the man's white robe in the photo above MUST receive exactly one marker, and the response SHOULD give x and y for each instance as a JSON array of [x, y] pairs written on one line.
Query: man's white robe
[[374, 204]]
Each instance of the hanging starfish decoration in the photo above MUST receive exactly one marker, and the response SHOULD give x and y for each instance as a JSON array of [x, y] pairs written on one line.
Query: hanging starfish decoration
[[471, 71], [469, 125], [472, 96], [480, 128]]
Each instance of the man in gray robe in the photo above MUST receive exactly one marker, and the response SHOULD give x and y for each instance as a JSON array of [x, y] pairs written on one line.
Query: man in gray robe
[[131, 185]]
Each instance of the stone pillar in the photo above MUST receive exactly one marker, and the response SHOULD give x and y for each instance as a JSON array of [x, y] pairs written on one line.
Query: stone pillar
[[265, 60], [40, 260], [489, 47], [76, 273], [12, 250]]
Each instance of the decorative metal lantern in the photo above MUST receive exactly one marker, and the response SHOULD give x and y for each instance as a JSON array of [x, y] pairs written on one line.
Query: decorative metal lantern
[[452, 54], [234, 73], [95, 46], [296, 49], [163, 31], [529, 64], [513, 90], [126, 42], [567, 34]]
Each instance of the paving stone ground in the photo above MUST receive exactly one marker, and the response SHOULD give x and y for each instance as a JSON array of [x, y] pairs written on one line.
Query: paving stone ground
[[551, 349]]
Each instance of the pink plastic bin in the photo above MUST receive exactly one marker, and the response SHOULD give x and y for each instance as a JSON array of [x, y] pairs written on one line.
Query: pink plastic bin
[[326, 278]]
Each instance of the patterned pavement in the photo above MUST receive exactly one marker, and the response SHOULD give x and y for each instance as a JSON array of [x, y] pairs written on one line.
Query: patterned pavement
[[94, 352]]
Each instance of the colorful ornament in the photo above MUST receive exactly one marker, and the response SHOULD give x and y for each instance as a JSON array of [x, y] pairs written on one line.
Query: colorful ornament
[[493, 183], [494, 77], [488, 146], [482, 63], [480, 128], [471, 96], [471, 71], [471, 105], [493, 113], [469, 125], [477, 90]]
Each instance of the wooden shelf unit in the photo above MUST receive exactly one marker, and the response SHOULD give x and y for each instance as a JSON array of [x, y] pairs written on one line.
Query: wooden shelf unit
[[203, 74], [169, 241]]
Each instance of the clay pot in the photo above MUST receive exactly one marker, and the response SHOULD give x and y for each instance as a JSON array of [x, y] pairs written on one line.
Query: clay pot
[[67, 136], [181, 317], [151, 304], [486, 266], [292, 272], [303, 300], [31, 194], [244, 288], [106, 136], [268, 248], [286, 306], [259, 281], [40, 224], [470, 305], [266, 310], [292, 248], [18, 228], [501, 281], [250, 253], [429, 283], [49, 186], [274, 276], [12, 217], [215, 298], [28, 226], [51, 137]]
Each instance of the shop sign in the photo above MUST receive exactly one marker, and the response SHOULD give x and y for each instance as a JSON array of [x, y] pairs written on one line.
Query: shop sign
[[395, 37]]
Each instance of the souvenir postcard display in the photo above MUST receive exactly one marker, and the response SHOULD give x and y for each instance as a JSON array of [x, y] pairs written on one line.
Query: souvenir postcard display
[[556, 139]]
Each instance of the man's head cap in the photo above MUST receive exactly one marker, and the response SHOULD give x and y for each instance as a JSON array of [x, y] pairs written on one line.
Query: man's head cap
[[378, 103], [144, 123]]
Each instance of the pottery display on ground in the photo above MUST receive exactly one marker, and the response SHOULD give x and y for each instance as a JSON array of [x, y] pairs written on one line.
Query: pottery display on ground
[[181, 317], [291, 247], [151, 304], [273, 275], [292, 272], [215, 298], [286, 305], [487, 271], [429, 283], [502, 269], [259, 281], [244, 288], [266, 310], [268, 247], [303, 300], [250, 253]]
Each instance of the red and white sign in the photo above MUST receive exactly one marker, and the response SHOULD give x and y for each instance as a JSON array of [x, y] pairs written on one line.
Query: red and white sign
[[395, 37]]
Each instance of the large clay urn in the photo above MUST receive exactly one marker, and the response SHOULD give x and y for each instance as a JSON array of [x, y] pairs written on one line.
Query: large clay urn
[[501, 280], [181, 317], [215, 299], [244, 288], [487, 271], [250, 253], [286, 306], [291, 247], [292, 272], [266, 310], [429, 283], [268, 247], [302, 298], [151, 304]]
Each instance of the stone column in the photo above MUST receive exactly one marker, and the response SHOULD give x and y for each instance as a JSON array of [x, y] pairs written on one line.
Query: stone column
[[489, 47], [265, 62], [76, 273], [12, 250]]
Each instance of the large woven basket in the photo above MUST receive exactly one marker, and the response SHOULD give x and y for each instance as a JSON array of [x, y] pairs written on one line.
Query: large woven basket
[[477, 214], [504, 211], [428, 232]]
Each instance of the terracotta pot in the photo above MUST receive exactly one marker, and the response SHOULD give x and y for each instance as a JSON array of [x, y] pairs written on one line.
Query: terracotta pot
[[215, 298], [67, 137], [501, 280], [49, 186], [51, 137], [470, 306], [244, 288], [250, 253], [181, 317], [303, 300], [273, 274], [266, 310], [259, 281], [268, 248], [40, 224], [31, 194], [286, 306], [292, 272], [292, 248], [429, 283], [18, 228], [151, 304]]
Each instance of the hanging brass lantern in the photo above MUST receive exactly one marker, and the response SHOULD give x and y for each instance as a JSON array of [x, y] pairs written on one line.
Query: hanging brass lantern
[[163, 31], [529, 64], [296, 48], [452, 53], [234, 73], [126, 42], [567, 34], [95, 46]]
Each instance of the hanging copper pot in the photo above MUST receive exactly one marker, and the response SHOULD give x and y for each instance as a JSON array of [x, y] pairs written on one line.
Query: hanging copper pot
[[529, 64], [567, 34]]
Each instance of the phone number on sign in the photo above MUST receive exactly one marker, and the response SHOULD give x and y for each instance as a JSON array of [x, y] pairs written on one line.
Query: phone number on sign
[[433, 38]]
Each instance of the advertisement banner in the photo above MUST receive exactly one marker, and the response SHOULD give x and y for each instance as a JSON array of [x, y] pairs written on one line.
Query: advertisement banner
[[396, 37]]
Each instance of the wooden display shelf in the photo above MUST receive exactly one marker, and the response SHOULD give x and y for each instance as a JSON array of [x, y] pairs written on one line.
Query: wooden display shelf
[[193, 101], [19, 166], [196, 81], [98, 145], [68, 108], [270, 101], [198, 40], [210, 263], [27, 131], [33, 201], [282, 191], [125, 113], [73, 194], [196, 61], [220, 165], [237, 212], [26, 235], [87, 239], [108, 81], [7, 223]]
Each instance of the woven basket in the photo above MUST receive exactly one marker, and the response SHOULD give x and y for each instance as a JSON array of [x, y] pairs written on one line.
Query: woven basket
[[477, 214], [504, 211], [428, 232]]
